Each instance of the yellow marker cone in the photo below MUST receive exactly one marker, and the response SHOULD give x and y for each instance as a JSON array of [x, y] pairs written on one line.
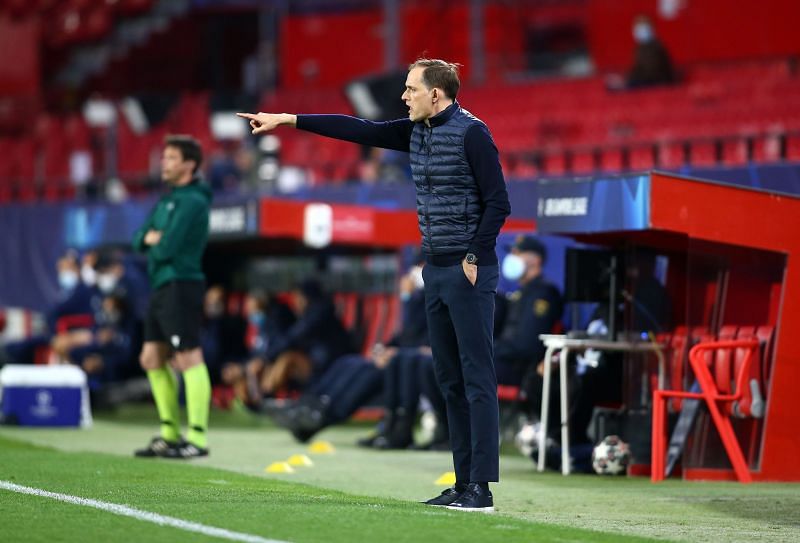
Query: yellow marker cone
[[447, 479], [300, 460], [279, 467], [321, 447]]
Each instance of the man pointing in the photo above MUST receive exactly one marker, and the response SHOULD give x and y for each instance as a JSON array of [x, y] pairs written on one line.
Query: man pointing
[[462, 203]]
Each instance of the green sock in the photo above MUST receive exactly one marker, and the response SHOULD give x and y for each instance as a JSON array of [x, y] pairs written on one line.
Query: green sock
[[165, 392], [198, 399]]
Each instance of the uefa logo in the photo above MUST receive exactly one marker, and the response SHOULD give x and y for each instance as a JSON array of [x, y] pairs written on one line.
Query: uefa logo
[[44, 404]]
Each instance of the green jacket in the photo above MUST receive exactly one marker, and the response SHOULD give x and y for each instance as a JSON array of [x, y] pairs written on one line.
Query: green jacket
[[182, 218]]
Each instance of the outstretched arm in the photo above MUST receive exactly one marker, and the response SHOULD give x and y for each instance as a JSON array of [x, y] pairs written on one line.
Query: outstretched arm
[[261, 122], [387, 134]]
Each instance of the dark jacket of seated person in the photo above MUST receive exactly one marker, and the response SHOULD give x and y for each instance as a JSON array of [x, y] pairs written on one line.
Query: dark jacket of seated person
[[532, 310], [111, 356], [651, 64], [318, 332]]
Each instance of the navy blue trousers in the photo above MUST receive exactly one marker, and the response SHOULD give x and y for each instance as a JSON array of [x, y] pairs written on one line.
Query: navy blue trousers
[[350, 382], [460, 324]]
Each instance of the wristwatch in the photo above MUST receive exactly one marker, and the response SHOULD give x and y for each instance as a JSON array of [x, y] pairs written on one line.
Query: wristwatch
[[471, 259]]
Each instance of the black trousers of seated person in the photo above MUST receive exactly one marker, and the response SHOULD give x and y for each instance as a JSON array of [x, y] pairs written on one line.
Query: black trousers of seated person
[[460, 324], [348, 384], [408, 376]]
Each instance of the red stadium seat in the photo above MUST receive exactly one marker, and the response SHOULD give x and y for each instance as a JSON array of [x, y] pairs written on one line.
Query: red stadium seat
[[734, 152], [767, 148], [554, 164], [347, 308], [671, 155], [703, 153], [611, 160], [793, 147], [718, 403], [583, 162], [677, 362], [641, 158]]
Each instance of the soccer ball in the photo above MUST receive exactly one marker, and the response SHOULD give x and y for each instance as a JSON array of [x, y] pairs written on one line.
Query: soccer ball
[[527, 439], [611, 456]]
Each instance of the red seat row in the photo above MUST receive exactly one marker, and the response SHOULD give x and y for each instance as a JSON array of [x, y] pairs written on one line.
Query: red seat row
[[730, 372]]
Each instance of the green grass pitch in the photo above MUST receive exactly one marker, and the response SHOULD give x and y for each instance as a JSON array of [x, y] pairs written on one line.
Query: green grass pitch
[[349, 496]]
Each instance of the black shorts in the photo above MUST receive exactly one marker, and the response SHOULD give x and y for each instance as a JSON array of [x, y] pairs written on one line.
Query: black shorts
[[175, 315]]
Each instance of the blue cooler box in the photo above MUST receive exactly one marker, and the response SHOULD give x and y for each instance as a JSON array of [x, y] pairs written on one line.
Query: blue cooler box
[[44, 395]]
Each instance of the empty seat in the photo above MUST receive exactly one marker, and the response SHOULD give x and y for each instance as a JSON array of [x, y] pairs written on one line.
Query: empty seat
[[734, 152], [767, 148], [611, 160], [641, 158], [703, 153], [717, 402], [793, 147]]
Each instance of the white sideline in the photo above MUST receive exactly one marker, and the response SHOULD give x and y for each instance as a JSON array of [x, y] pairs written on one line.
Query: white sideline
[[146, 516]]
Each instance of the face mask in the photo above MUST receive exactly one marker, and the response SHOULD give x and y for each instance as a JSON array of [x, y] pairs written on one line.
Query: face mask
[[106, 282], [416, 277], [88, 275], [257, 318], [513, 267], [67, 279], [642, 33]]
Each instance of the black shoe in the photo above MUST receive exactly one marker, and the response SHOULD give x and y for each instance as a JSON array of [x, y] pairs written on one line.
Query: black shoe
[[448, 496], [474, 498], [303, 420], [303, 435], [368, 441], [399, 436], [158, 447], [433, 446], [388, 443], [184, 451]]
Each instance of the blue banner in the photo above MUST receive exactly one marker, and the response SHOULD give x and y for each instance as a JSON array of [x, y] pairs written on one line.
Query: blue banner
[[33, 237], [593, 205]]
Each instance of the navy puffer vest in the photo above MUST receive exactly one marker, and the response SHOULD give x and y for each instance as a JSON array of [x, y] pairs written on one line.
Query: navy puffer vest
[[448, 201]]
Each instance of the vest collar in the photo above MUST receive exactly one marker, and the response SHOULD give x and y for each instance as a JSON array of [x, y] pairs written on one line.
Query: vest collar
[[444, 115]]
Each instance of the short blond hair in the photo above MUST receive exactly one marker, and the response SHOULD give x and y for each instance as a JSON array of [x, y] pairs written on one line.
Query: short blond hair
[[439, 74]]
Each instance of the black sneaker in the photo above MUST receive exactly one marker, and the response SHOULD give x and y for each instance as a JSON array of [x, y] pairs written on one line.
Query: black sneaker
[[158, 447], [184, 451], [368, 441], [448, 496], [474, 498]]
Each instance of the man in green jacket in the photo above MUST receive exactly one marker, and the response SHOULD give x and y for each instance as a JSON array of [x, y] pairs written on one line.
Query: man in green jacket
[[174, 238]]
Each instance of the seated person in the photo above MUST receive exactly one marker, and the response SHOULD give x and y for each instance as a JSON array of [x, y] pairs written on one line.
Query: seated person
[[532, 310], [408, 375], [75, 297], [651, 63], [110, 355], [110, 281], [223, 336], [268, 320], [303, 354], [353, 380]]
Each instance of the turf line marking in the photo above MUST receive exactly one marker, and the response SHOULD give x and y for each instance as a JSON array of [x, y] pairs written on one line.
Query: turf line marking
[[138, 514]]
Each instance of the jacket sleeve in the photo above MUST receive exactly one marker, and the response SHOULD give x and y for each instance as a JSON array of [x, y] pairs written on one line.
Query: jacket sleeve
[[138, 236], [387, 134], [485, 164], [314, 317], [187, 212]]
